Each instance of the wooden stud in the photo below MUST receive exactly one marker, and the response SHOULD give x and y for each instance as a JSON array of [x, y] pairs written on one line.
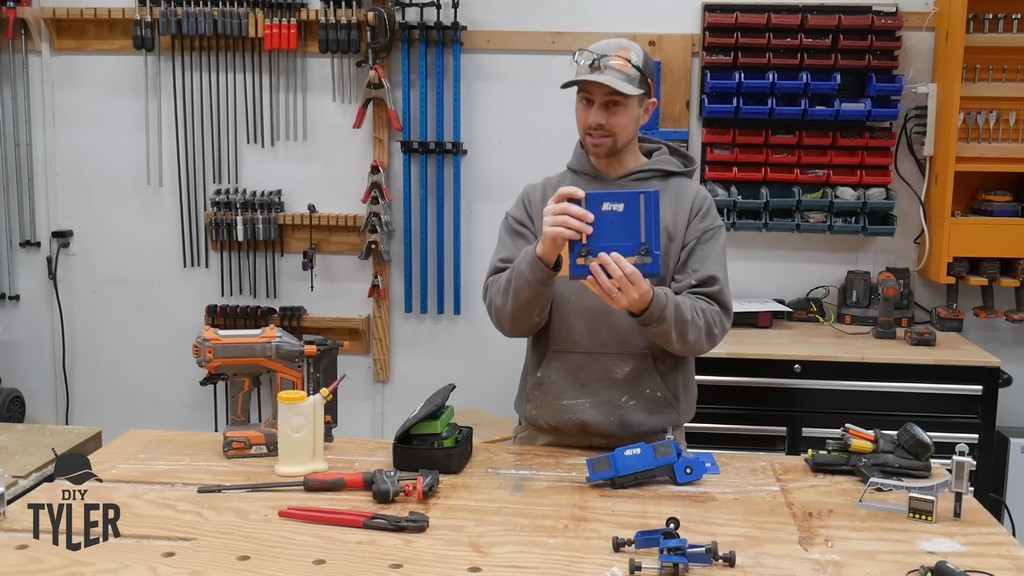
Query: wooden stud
[[381, 309]]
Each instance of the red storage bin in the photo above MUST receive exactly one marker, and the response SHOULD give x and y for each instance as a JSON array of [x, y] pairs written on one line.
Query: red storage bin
[[878, 157], [845, 176], [751, 39], [783, 137], [876, 177], [886, 42], [719, 172], [826, 21], [749, 173], [720, 39], [752, 19], [718, 58], [781, 59], [717, 135], [720, 19], [752, 58], [811, 175], [779, 20], [781, 174], [781, 156], [849, 41], [720, 153], [751, 155], [815, 138], [846, 157], [886, 22], [853, 21], [848, 60], [819, 59], [815, 156], [850, 139], [881, 138], [784, 39], [749, 136], [883, 62], [816, 40]]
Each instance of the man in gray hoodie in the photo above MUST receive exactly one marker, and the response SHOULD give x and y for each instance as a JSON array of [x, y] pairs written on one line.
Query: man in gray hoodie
[[610, 359]]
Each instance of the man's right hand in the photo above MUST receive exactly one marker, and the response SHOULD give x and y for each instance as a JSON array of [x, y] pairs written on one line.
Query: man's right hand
[[563, 221]]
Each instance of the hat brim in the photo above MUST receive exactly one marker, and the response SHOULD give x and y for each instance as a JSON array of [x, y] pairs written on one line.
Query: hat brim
[[79, 478], [614, 83]]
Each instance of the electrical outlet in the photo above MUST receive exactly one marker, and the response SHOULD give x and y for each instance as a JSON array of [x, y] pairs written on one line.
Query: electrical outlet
[[929, 137], [63, 237]]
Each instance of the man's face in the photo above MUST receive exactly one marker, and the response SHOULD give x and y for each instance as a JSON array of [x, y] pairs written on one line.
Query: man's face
[[608, 121]]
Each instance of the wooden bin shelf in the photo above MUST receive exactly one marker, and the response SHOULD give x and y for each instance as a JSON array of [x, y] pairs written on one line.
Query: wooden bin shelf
[[1005, 40], [355, 331], [993, 89], [332, 233], [993, 151]]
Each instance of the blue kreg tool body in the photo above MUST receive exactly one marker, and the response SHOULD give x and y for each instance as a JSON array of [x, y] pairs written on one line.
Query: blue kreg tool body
[[636, 463], [625, 221], [673, 550]]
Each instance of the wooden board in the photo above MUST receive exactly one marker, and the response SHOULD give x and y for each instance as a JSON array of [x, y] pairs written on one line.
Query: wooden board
[[488, 427], [513, 511], [26, 451], [806, 341]]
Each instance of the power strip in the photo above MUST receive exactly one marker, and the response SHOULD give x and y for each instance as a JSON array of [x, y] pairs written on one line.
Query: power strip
[[929, 137]]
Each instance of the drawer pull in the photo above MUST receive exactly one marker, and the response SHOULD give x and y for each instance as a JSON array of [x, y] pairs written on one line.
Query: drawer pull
[[914, 387]]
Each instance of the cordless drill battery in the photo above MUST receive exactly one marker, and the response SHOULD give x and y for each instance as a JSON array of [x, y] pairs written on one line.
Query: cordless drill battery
[[919, 336]]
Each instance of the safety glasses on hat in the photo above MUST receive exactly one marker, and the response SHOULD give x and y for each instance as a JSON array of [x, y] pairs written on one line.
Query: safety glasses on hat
[[613, 65]]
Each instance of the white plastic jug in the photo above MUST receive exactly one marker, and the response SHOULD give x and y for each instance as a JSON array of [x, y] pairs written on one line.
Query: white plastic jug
[[300, 433]]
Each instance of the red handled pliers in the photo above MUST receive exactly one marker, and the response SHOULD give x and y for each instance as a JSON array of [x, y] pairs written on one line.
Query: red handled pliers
[[414, 522]]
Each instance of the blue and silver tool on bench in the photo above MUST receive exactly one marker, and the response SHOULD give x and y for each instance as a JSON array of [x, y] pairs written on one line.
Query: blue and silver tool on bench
[[625, 221], [639, 462]]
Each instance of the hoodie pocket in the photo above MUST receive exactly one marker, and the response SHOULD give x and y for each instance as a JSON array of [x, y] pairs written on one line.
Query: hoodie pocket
[[607, 393]]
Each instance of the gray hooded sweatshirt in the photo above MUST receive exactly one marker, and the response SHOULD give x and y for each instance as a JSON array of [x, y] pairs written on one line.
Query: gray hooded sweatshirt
[[590, 369]]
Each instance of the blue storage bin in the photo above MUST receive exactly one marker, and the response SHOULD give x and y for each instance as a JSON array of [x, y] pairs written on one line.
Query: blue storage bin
[[750, 196], [880, 224], [756, 82], [715, 106], [808, 222], [845, 205], [821, 109], [789, 106], [887, 205], [884, 84], [749, 220], [822, 82], [756, 106], [721, 81], [723, 194], [790, 82], [814, 197], [846, 223], [782, 196], [852, 108], [782, 221], [884, 110]]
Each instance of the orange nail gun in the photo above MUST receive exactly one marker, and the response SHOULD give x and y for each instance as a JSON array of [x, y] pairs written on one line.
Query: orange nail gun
[[241, 357]]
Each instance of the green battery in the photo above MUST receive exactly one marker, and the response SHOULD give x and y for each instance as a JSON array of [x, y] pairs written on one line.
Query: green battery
[[435, 423]]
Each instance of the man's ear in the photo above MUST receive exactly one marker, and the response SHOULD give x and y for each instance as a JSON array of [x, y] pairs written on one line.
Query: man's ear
[[649, 106]]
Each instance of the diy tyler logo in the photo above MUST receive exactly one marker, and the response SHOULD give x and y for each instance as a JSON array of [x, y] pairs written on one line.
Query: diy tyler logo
[[98, 521]]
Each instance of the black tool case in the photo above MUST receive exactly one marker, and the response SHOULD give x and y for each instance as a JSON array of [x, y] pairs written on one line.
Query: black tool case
[[446, 460]]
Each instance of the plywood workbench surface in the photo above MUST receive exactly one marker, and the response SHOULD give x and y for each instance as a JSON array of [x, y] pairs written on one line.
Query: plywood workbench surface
[[513, 511], [812, 341]]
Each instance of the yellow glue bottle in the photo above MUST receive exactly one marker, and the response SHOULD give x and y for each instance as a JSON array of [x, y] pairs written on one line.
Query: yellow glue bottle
[[300, 432]]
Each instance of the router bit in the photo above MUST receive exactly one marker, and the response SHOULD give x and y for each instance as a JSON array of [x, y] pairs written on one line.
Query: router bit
[[1016, 19], [987, 18], [1000, 18], [970, 23]]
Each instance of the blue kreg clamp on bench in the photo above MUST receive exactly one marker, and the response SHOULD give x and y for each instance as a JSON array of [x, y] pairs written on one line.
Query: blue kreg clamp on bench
[[625, 221]]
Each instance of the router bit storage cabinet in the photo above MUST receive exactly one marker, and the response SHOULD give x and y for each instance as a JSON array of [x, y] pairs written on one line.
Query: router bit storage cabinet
[[975, 177]]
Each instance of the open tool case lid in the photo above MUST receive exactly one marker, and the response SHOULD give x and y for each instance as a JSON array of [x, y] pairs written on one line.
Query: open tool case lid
[[447, 449]]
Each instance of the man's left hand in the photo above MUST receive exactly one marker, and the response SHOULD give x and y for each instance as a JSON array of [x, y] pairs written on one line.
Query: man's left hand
[[620, 284]]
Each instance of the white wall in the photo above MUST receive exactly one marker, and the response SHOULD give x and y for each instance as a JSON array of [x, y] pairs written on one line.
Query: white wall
[[132, 312]]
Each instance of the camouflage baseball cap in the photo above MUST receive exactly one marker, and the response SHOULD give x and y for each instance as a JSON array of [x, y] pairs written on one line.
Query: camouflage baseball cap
[[619, 63]]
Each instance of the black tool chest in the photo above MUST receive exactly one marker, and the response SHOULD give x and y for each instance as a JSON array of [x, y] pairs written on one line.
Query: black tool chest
[[790, 406]]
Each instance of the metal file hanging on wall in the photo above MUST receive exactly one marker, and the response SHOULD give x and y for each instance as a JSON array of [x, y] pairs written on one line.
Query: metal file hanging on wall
[[16, 158], [422, 34]]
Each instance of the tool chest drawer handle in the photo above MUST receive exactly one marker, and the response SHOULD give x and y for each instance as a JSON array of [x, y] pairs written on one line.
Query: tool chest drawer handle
[[735, 429], [920, 387]]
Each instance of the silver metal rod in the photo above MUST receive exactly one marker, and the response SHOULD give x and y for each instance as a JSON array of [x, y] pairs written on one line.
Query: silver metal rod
[[19, 190], [6, 203], [159, 118], [840, 385], [29, 162], [305, 85], [295, 95], [145, 107]]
